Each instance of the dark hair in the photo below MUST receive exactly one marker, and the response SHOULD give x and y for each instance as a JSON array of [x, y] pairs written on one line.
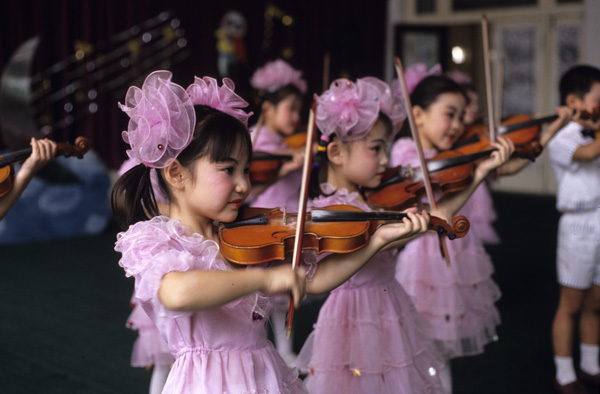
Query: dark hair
[[577, 80], [427, 92], [318, 173], [215, 137]]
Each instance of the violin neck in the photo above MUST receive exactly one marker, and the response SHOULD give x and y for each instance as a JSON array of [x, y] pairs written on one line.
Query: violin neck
[[442, 164], [15, 157], [523, 125], [269, 156], [323, 215]]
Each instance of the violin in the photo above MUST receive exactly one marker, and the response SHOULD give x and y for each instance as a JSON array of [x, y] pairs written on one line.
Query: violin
[[522, 130], [400, 188], [260, 235], [81, 146], [264, 167]]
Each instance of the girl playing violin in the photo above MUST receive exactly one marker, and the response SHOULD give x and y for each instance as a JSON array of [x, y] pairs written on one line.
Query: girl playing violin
[[281, 89], [457, 299], [368, 337], [212, 313], [42, 151]]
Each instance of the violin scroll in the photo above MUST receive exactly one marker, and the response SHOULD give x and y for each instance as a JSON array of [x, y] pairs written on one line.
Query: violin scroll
[[81, 147]]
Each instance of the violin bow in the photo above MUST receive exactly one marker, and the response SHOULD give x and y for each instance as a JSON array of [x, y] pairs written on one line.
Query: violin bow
[[488, 78], [301, 217], [422, 164]]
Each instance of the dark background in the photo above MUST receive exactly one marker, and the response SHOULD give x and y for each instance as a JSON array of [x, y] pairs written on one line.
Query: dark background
[[352, 35]]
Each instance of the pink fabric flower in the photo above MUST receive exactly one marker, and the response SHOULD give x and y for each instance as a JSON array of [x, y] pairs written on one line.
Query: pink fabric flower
[[275, 75], [459, 77], [390, 104], [414, 74], [206, 91], [351, 109], [162, 120]]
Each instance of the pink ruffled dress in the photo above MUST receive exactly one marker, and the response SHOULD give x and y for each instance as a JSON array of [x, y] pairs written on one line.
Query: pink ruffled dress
[[368, 337], [218, 350], [149, 348], [458, 300], [284, 192]]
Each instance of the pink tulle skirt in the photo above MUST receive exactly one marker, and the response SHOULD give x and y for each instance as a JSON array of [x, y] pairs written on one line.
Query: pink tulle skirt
[[149, 348], [370, 339], [458, 300]]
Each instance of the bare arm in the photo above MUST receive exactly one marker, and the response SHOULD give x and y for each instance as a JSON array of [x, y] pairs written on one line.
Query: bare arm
[[513, 166], [587, 152], [197, 289], [41, 153]]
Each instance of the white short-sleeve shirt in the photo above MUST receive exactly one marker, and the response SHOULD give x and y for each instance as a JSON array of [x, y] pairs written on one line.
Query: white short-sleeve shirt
[[578, 182]]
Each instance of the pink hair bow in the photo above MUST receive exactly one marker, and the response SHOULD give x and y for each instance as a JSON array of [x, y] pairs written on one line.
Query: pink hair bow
[[206, 91], [275, 75], [162, 120], [415, 74]]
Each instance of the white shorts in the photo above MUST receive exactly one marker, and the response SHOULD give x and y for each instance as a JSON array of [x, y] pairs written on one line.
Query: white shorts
[[578, 251]]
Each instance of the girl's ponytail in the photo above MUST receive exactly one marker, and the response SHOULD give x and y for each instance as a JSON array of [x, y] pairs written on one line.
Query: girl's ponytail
[[132, 197]]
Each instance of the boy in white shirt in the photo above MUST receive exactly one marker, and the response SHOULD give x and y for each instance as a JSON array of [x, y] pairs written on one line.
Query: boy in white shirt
[[575, 160]]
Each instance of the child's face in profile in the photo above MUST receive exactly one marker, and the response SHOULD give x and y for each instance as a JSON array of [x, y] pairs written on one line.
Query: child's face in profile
[[591, 100], [367, 159], [284, 118], [442, 122]]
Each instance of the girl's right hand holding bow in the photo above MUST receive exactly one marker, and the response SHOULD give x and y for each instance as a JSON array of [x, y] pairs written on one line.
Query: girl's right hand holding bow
[[283, 279]]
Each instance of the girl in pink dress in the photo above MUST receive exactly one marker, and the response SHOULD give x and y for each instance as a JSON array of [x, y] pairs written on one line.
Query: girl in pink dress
[[280, 90], [149, 349], [368, 337], [457, 299], [211, 313]]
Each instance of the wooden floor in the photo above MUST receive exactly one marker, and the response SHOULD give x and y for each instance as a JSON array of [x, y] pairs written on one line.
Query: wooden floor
[[63, 306]]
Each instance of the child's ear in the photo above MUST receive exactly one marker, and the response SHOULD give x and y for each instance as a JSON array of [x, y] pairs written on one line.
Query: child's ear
[[266, 107], [572, 100], [174, 175], [418, 113], [334, 152]]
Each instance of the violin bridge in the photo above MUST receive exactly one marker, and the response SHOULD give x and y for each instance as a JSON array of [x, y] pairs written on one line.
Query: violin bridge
[[284, 216]]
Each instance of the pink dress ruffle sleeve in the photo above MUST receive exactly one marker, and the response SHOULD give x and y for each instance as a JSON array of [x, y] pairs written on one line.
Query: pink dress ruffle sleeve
[[217, 350], [458, 300], [368, 337], [285, 192]]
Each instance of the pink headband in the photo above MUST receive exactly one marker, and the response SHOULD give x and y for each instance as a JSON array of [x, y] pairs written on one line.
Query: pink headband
[[351, 109], [162, 115], [275, 75]]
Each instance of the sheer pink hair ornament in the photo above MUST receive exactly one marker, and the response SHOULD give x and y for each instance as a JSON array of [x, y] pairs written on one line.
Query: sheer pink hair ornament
[[162, 120], [415, 74], [459, 77], [276, 74], [206, 91], [351, 109]]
